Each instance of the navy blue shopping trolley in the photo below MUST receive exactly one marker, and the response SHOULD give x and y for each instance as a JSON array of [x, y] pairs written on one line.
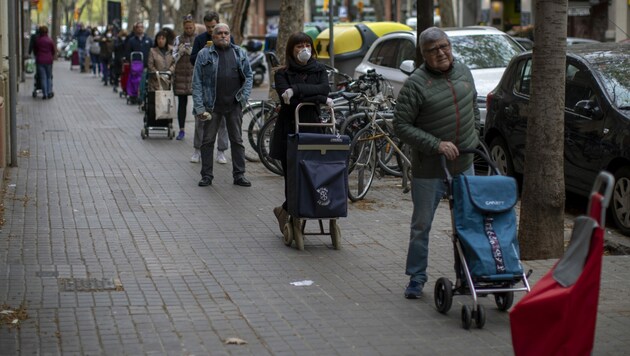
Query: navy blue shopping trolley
[[487, 257], [317, 180]]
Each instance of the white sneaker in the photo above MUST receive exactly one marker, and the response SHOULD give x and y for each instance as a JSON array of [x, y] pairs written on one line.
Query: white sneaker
[[196, 157], [221, 157]]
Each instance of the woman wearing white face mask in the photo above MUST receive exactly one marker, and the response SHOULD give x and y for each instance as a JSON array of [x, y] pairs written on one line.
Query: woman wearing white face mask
[[302, 79]]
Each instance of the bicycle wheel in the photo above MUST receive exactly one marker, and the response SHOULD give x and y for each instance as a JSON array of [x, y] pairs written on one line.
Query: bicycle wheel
[[482, 168], [254, 116], [353, 123], [264, 139], [361, 164], [388, 159]]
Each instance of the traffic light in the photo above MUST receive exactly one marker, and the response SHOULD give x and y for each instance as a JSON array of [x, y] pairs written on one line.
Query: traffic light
[[360, 6], [325, 7], [76, 14]]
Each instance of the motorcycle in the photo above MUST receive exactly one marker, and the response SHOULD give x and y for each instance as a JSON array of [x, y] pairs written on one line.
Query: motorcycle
[[256, 61]]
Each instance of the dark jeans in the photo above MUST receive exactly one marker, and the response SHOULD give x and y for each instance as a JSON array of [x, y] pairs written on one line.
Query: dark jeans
[[96, 63], [233, 120], [182, 104], [45, 78], [106, 72]]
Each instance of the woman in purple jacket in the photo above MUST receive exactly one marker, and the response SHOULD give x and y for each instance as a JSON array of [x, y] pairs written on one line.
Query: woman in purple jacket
[[45, 53]]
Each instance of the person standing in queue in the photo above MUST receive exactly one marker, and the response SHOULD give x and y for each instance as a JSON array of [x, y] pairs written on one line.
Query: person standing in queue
[[210, 20], [301, 79], [45, 54], [436, 114], [182, 49], [227, 64]]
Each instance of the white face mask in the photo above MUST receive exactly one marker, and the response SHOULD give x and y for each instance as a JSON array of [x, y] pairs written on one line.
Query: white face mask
[[304, 55]]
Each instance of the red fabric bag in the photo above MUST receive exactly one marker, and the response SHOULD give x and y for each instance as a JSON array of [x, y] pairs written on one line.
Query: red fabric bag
[[558, 318]]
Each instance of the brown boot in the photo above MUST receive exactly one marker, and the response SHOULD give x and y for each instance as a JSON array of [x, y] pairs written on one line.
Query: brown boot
[[281, 215]]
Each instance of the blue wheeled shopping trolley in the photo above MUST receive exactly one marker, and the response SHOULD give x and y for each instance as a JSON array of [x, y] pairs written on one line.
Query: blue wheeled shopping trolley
[[317, 180]]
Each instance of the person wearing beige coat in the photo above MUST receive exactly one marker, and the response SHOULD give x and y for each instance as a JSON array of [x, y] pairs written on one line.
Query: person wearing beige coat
[[160, 60]]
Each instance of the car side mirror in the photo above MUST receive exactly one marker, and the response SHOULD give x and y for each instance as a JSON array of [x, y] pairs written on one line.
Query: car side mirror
[[407, 66], [588, 108]]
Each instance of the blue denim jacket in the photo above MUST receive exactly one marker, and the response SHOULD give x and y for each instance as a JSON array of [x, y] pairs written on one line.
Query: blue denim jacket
[[204, 84]]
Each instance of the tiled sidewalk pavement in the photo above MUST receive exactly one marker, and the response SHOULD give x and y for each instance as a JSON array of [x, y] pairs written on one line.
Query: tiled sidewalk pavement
[[90, 199]]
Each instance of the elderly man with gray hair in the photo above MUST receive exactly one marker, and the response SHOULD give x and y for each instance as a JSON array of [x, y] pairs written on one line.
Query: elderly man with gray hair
[[436, 114], [222, 83]]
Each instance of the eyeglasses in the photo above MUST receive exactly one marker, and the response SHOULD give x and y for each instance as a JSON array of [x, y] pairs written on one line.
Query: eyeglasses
[[187, 17], [434, 51], [222, 33]]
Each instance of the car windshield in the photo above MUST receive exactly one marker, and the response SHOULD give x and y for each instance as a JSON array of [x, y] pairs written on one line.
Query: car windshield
[[613, 68], [484, 51]]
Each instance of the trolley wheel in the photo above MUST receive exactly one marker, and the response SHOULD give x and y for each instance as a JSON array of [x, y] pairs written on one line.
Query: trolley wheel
[[466, 317], [335, 234], [480, 316], [504, 300], [171, 134], [443, 295], [287, 234], [297, 233], [143, 133], [120, 94], [34, 93]]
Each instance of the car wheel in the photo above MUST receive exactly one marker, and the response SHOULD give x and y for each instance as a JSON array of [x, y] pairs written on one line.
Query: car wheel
[[501, 156], [620, 205]]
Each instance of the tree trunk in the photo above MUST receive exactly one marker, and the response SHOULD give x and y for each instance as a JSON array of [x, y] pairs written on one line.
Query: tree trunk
[[291, 21], [541, 232], [237, 22], [54, 33], [424, 21], [379, 9], [447, 14], [186, 7], [133, 7], [154, 14]]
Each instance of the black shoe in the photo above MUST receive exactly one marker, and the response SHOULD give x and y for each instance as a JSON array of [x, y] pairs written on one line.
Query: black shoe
[[205, 181], [243, 182], [51, 95]]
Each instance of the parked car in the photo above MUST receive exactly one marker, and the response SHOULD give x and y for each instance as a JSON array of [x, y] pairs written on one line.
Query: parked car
[[352, 41], [529, 44], [525, 42], [576, 40], [596, 120], [486, 51]]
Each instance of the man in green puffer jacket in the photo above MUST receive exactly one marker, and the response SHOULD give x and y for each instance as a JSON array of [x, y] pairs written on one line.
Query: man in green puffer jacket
[[436, 114]]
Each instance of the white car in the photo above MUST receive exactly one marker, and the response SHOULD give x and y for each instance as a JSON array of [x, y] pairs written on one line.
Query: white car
[[486, 50]]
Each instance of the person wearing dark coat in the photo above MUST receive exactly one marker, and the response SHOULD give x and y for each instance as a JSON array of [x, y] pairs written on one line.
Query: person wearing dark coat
[[302, 79], [138, 41], [81, 35], [118, 58], [107, 47]]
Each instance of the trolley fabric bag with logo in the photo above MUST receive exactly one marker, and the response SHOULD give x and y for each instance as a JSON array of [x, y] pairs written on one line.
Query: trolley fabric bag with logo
[[317, 175], [164, 99], [485, 222]]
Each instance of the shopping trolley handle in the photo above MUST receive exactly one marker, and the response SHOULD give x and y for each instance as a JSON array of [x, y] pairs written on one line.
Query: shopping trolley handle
[[318, 124], [603, 187], [475, 151]]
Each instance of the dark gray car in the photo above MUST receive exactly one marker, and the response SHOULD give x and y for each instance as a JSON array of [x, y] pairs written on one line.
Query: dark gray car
[[597, 120]]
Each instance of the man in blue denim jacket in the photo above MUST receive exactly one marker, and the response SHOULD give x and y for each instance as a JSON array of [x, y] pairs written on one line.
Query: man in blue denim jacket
[[222, 83]]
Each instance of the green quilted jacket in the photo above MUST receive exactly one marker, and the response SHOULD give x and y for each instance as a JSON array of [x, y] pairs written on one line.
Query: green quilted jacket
[[433, 106]]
